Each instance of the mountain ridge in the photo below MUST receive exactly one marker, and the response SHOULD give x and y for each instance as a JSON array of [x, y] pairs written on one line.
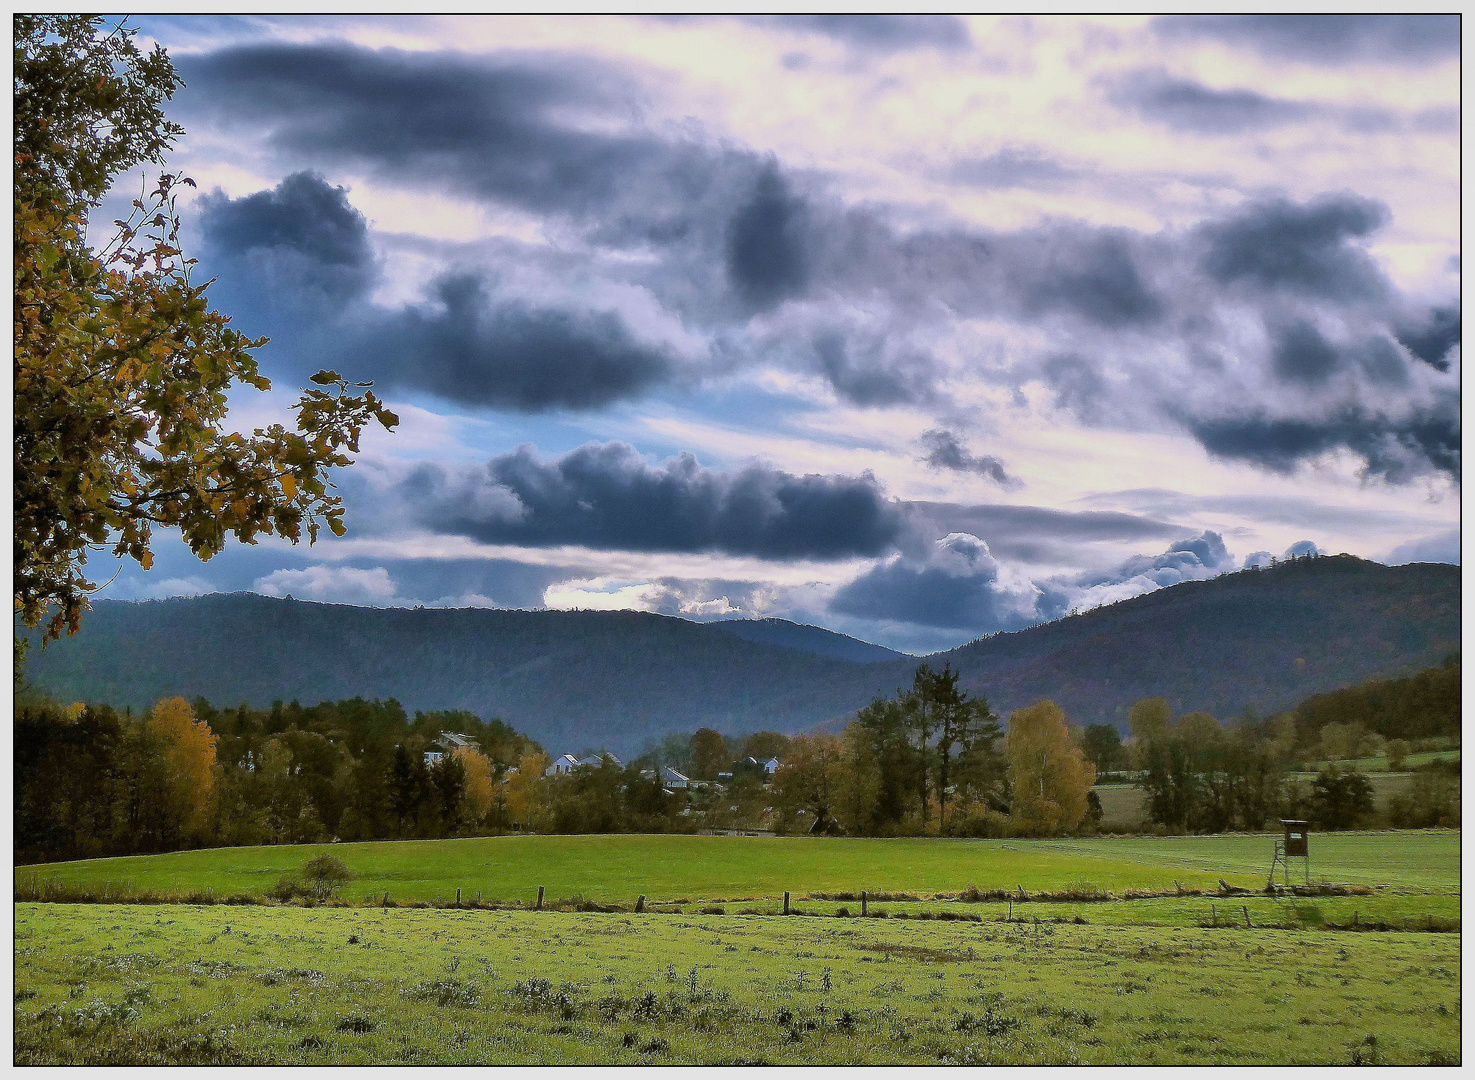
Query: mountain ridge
[[1253, 641]]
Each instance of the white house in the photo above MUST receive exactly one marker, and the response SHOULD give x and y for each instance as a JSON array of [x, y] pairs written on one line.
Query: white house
[[670, 778], [448, 742], [565, 764], [594, 761]]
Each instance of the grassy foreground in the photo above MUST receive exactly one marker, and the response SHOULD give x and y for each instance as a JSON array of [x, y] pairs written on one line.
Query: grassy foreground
[[618, 868], [255, 985]]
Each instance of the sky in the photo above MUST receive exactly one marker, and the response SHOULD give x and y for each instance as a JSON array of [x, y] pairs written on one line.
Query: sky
[[918, 328]]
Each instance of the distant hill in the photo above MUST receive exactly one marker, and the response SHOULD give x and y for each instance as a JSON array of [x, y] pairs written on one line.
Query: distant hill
[[811, 639], [1259, 640]]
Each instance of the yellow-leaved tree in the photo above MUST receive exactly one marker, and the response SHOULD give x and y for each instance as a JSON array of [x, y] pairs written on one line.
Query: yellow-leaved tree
[[527, 790], [188, 748], [478, 792], [1049, 774]]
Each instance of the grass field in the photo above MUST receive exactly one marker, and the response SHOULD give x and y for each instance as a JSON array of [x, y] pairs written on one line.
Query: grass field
[[142, 985], [618, 868], [715, 974]]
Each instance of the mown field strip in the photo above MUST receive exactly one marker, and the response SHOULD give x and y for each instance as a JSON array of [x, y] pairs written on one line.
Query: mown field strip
[[619, 868]]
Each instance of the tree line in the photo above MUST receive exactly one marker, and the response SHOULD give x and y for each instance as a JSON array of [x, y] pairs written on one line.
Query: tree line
[[92, 781], [929, 761]]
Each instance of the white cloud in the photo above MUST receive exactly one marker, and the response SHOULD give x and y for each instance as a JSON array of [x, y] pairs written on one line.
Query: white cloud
[[333, 584]]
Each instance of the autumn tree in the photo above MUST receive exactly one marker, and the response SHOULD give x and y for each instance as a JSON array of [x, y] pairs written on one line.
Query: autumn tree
[[1049, 775], [527, 790], [710, 754], [188, 754], [809, 780], [121, 368], [477, 771], [1148, 719]]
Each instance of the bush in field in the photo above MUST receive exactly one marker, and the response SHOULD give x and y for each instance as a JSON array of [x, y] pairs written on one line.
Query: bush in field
[[1396, 751], [1341, 799], [325, 875]]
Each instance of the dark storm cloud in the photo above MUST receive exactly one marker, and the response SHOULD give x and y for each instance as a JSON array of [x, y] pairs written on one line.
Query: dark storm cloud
[[946, 451], [605, 495], [717, 235], [1190, 106], [1327, 39], [1096, 276], [471, 347], [957, 587], [766, 257], [1394, 449], [1302, 355], [499, 129], [863, 371], [1302, 248], [960, 585], [300, 254], [301, 243], [1431, 337]]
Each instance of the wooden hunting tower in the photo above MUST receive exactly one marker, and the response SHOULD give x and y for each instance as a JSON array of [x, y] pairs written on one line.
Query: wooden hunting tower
[[1294, 845]]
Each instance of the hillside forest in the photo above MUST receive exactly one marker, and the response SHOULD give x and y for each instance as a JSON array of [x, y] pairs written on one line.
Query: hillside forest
[[931, 760]]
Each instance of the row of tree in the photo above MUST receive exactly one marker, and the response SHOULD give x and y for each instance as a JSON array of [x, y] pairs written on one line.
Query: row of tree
[[929, 761], [91, 781]]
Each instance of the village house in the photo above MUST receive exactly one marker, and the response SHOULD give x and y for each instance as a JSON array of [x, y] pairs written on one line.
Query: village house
[[447, 743]]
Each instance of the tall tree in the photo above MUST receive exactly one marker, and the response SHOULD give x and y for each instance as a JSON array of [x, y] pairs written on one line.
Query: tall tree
[[121, 369], [809, 780], [188, 751], [710, 754], [1048, 773]]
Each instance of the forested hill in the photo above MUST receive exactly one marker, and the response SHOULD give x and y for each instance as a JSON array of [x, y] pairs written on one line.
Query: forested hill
[[1258, 640], [570, 679], [1261, 640]]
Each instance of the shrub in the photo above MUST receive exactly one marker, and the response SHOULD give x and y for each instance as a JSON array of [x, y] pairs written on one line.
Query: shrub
[[1396, 751], [325, 875]]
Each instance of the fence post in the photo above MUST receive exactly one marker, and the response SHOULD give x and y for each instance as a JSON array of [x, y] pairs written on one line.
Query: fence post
[[786, 903], [862, 903], [1010, 916], [458, 897], [386, 899], [540, 898], [640, 903], [1214, 914], [1247, 919]]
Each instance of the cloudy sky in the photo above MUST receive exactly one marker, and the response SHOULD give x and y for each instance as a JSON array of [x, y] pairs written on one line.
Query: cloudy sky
[[917, 328]]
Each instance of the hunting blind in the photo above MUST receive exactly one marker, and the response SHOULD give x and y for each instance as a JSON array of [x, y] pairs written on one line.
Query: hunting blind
[[1295, 844]]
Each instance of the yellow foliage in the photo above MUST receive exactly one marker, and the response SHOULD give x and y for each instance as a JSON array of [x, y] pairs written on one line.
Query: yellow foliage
[[478, 780], [1049, 775], [75, 711], [527, 790], [189, 761]]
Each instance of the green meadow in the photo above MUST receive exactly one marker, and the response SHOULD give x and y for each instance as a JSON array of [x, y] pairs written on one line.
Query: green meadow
[[615, 869], [1148, 962], [259, 985]]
